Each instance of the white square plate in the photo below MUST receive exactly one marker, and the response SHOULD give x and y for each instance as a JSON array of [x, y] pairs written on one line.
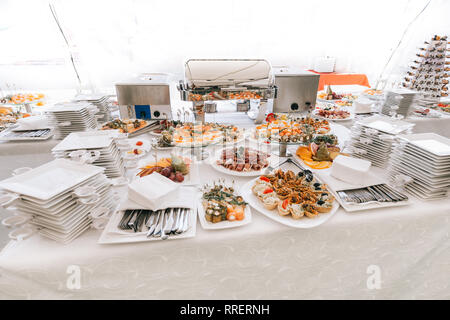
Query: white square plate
[[223, 224], [50, 179]]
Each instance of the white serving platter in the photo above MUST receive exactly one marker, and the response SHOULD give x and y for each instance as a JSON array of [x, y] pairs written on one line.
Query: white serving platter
[[113, 235], [303, 222]]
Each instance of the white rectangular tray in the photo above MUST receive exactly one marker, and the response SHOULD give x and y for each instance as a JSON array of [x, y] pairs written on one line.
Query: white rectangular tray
[[109, 237]]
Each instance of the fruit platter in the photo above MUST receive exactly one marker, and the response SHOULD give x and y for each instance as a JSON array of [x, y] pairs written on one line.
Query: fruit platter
[[176, 168], [330, 95], [298, 200], [220, 207], [241, 161], [320, 153]]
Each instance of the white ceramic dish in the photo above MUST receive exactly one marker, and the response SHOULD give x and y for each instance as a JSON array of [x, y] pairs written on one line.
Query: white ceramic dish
[[223, 224]]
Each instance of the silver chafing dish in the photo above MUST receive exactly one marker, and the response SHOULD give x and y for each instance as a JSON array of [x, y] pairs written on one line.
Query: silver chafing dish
[[228, 79]]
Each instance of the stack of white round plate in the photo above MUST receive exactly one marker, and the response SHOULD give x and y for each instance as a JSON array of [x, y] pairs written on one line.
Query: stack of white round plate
[[372, 138], [98, 100], [59, 198], [424, 158], [72, 117], [100, 142]]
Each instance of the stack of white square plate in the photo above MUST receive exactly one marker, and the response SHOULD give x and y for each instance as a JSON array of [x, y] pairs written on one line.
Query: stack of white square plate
[[372, 138], [102, 142], [59, 197], [424, 158], [72, 117], [98, 100]]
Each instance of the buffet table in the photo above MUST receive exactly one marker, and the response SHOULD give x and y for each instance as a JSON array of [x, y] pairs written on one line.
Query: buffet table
[[407, 247]]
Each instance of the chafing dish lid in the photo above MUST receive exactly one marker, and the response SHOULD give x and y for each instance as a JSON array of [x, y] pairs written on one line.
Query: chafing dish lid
[[228, 73]]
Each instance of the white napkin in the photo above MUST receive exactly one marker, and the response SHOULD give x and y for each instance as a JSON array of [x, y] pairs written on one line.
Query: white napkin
[[183, 197], [32, 123], [375, 177], [151, 190]]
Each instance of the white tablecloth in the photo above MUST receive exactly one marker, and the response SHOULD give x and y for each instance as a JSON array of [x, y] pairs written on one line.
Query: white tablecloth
[[405, 248]]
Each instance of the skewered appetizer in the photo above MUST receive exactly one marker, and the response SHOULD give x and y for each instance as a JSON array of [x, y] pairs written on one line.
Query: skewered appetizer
[[125, 126], [221, 204], [293, 195], [243, 159], [174, 168]]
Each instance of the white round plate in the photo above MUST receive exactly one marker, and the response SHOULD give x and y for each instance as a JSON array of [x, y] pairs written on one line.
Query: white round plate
[[223, 224], [212, 161], [164, 148], [304, 223], [146, 146], [154, 134]]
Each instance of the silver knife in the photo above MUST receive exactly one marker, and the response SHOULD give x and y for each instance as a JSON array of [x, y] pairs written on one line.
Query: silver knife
[[158, 224], [182, 214], [169, 222], [176, 216], [186, 220]]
